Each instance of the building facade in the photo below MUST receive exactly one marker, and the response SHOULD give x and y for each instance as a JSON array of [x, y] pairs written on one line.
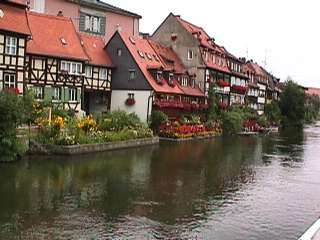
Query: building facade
[[14, 33], [91, 16], [148, 76]]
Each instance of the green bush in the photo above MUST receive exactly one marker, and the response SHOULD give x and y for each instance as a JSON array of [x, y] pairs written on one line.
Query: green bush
[[232, 122], [272, 112], [118, 120], [292, 104], [157, 118], [11, 109]]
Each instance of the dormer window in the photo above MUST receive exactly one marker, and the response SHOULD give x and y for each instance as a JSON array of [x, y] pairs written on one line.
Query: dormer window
[[193, 83], [159, 76], [171, 77], [184, 81], [141, 54]]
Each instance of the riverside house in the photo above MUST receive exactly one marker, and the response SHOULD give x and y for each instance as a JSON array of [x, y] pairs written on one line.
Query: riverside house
[[149, 76], [91, 16], [14, 33], [208, 61], [46, 54]]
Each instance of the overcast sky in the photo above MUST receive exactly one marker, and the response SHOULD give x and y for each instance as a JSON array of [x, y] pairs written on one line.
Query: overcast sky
[[284, 32]]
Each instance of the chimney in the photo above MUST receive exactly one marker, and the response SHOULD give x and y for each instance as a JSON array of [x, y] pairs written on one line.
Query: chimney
[[60, 14]]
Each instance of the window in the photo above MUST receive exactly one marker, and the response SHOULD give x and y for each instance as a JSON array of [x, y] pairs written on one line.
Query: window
[[72, 94], [131, 95], [184, 82], [39, 92], [11, 45], [119, 52], [190, 55], [171, 76], [9, 80], [56, 94], [193, 83], [132, 74], [103, 73], [71, 67], [93, 24], [159, 76], [39, 6], [88, 71]]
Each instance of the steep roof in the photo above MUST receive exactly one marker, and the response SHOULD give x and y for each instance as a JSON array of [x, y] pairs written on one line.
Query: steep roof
[[169, 58], [172, 62], [54, 36], [14, 18], [105, 6], [146, 57], [313, 91], [203, 37], [94, 46]]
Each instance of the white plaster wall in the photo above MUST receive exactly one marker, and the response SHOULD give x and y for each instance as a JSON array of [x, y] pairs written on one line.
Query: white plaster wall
[[261, 100], [118, 98]]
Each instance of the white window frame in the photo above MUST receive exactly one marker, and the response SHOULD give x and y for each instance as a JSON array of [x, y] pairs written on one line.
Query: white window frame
[[190, 54], [39, 92], [88, 71], [132, 74], [9, 80], [11, 45], [92, 23], [103, 73], [73, 68], [39, 6], [56, 96], [72, 94]]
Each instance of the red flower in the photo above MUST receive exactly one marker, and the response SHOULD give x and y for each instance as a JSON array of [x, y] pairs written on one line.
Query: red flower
[[130, 101], [223, 105], [223, 83], [239, 89]]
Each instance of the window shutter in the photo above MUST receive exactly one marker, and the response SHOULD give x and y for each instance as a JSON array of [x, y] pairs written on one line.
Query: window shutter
[[103, 25], [82, 22], [66, 94], [79, 94]]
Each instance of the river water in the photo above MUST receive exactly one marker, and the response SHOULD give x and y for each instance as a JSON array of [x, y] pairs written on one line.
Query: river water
[[227, 188]]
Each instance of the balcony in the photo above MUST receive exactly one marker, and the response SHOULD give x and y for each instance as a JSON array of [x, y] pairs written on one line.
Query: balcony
[[239, 89], [162, 104]]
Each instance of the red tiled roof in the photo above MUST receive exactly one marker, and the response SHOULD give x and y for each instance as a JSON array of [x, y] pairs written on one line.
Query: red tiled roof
[[258, 71], [94, 47], [190, 91], [204, 38], [14, 19], [139, 46], [169, 58], [54, 36], [173, 63], [313, 91]]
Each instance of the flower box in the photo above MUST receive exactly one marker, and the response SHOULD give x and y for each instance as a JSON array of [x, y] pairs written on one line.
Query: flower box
[[239, 89], [130, 101], [222, 83]]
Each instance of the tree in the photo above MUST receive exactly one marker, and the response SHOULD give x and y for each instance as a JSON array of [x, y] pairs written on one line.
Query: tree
[[213, 110], [292, 104]]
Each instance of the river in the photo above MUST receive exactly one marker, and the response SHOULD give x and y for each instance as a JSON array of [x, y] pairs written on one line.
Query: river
[[226, 188]]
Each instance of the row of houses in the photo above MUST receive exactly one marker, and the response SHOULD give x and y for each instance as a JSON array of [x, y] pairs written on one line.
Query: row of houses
[[88, 56]]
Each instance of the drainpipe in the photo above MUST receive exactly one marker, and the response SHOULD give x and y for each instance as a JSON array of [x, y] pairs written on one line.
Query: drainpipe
[[149, 98]]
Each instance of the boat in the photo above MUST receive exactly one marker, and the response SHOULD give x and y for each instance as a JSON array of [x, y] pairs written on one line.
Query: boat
[[313, 233]]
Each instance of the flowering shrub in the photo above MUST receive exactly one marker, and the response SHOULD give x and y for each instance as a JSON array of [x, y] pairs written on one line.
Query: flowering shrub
[[176, 130], [87, 124], [239, 89], [223, 105], [223, 83], [251, 126]]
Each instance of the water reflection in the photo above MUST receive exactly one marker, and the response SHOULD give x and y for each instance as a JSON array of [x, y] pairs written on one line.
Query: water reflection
[[172, 191]]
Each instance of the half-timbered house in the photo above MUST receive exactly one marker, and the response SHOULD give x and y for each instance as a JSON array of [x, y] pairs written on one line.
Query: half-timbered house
[[97, 75], [210, 62], [14, 32], [55, 61]]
